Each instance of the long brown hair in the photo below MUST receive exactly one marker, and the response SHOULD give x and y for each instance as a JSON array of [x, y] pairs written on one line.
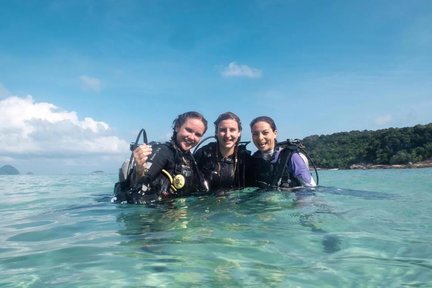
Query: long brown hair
[[227, 116], [266, 119], [181, 119]]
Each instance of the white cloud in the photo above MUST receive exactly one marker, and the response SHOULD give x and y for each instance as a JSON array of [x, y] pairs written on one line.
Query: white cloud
[[383, 120], [90, 83], [29, 129], [235, 70], [3, 92]]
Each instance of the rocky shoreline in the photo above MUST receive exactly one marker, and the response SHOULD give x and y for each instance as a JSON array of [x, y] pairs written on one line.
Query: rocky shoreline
[[423, 164]]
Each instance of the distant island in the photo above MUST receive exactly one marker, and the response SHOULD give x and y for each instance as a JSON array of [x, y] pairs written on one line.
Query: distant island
[[422, 164], [409, 147], [9, 170]]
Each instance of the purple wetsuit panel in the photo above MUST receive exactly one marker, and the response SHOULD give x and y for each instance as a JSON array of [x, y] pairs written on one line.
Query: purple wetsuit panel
[[299, 168]]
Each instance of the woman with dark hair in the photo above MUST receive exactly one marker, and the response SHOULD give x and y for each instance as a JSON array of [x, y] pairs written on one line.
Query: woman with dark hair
[[223, 163], [170, 170], [277, 165]]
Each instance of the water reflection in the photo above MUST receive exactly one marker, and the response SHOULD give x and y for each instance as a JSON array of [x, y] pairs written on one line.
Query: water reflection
[[231, 219]]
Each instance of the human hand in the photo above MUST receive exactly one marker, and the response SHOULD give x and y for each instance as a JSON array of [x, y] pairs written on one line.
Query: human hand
[[141, 155]]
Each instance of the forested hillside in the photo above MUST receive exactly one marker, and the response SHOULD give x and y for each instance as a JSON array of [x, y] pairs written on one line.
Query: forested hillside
[[382, 147]]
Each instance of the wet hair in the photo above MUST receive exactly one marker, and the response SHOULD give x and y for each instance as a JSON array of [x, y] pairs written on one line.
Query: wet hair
[[227, 116], [181, 119], [266, 119]]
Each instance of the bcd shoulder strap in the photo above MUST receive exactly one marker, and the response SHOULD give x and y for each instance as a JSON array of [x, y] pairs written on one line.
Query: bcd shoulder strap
[[281, 165]]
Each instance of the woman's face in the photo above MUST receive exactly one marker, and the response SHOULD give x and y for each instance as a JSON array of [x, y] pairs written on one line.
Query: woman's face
[[227, 133], [263, 136], [190, 133]]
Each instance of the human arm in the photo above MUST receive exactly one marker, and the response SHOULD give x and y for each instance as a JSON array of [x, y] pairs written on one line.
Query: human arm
[[300, 170], [148, 167]]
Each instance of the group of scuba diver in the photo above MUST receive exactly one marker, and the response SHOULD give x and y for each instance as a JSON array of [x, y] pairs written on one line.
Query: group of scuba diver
[[161, 171]]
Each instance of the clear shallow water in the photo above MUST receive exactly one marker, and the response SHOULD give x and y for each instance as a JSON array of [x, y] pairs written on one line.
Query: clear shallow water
[[373, 230]]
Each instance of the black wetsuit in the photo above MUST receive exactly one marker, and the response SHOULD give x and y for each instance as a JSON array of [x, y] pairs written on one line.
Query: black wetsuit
[[275, 171], [223, 173], [155, 185]]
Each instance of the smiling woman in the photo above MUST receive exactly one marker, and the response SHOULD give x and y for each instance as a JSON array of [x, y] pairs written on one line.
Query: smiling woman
[[224, 162], [277, 165], [170, 170]]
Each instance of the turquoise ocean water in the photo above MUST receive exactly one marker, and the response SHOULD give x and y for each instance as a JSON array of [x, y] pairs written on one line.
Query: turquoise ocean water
[[361, 228]]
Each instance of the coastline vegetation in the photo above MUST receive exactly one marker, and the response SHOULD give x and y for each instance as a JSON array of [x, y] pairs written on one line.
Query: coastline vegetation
[[385, 147]]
